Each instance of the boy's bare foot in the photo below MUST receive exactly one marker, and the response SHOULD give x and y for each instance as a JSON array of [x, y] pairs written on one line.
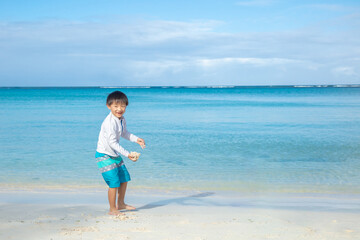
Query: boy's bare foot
[[125, 207], [115, 213]]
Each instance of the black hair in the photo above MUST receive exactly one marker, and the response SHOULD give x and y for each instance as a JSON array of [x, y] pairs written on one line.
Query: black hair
[[117, 97]]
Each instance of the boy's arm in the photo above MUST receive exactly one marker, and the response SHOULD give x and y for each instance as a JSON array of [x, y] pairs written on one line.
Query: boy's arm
[[125, 134], [114, 144]]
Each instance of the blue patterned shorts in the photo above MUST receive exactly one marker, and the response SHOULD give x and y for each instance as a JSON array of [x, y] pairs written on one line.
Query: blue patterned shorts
[[112, 169]]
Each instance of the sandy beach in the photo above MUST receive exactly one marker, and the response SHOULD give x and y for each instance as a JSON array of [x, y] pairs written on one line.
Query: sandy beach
[[45, 214]]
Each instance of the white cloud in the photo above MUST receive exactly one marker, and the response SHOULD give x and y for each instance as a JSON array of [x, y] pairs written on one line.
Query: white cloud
[[155, 68], [161, 31], [102, 55], [188, 52], [130, 33], [250, 61], [330, 7], [345, 70]]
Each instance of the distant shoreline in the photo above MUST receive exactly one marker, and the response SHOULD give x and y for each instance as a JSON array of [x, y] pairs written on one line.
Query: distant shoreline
[[212, 86]]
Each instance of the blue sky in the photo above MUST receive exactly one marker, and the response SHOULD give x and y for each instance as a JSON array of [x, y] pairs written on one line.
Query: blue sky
[[142, 43]]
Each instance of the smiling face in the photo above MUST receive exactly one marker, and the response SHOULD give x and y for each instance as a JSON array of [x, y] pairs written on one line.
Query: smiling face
[[117, 109]]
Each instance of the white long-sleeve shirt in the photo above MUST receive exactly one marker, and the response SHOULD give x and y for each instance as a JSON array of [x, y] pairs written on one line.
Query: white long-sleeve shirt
[[111, 130]]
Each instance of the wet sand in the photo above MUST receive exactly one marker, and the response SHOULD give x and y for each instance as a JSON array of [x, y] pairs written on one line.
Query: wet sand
[[178, 215]]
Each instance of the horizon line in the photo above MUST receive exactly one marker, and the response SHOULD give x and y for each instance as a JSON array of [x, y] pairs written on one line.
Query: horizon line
[[197, 86]]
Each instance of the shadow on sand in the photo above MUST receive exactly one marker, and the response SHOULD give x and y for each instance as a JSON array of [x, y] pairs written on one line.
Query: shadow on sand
[[181, 200]]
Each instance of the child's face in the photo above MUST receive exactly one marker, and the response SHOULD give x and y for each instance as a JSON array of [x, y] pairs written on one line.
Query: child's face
[[117, 108]]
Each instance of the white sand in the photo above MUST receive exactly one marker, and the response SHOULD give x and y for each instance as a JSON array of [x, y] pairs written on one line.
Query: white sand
[[70, 215]]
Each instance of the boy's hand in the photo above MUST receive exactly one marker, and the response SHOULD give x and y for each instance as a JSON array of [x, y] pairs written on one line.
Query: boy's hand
[[141, 142], [134, 156]]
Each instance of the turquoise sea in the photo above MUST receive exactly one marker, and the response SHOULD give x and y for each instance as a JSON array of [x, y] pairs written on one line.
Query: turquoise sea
[[245, 139]]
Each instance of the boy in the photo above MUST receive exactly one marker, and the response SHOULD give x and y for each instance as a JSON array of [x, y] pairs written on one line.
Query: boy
[[108, 149]]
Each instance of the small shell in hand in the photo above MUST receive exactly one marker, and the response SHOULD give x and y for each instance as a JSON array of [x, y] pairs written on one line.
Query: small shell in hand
[[136, 155]]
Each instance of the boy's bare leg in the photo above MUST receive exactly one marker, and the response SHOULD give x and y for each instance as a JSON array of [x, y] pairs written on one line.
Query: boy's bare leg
[[121, 203], [112, 200]]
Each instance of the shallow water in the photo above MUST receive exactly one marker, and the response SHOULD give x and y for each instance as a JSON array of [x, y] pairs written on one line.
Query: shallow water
[[238, 139]]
